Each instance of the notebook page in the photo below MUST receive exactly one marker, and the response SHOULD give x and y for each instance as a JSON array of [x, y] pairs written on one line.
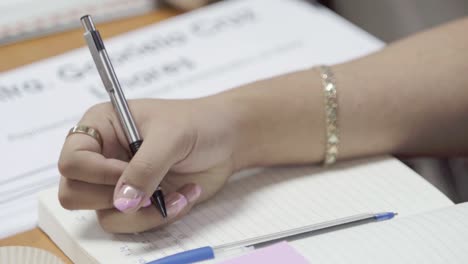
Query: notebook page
[[260, 202], [439, 236]]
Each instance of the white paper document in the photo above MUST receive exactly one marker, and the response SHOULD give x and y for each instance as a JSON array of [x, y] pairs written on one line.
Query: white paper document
[[200, 53]]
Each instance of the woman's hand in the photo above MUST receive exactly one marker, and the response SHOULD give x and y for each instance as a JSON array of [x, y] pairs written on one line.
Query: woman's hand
[[190, 148], [187, 150]]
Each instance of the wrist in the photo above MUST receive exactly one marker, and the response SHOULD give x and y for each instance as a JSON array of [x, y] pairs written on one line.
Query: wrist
[[233, 117], [278, 121]]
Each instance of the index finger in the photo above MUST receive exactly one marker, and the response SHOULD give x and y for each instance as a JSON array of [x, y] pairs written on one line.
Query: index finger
[[91, 167], [82, 157]]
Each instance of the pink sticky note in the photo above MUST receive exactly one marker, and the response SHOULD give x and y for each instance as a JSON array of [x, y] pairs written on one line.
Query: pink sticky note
[[279, 253]]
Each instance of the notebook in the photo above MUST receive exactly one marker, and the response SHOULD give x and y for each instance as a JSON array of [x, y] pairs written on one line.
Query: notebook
[[438, 236], [254, 203]]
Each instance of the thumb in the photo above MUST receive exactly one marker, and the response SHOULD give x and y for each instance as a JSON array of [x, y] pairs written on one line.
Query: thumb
[[145, 172]]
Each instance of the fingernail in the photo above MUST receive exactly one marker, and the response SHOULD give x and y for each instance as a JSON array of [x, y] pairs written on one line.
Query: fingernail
[[194, 193], [175, 202], [147, 203], [127, 198]]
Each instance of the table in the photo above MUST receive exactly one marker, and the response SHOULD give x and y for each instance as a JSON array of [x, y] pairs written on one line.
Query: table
[[19, 54]]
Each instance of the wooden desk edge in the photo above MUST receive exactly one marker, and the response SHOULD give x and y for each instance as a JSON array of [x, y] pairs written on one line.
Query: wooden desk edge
[[29, 51]]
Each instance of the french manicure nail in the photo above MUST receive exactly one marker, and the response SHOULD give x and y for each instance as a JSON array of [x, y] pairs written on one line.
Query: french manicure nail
[[175, 202], [146, 203], [127, 198], [194, 193]]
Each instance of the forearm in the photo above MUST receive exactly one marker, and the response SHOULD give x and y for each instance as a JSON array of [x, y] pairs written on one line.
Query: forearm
[[410, 98], [278, 120]]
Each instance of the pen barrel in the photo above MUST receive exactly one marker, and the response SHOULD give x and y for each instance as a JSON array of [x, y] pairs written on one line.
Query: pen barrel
[[317, 227], [110, 81], [187, 257], [123, 112]]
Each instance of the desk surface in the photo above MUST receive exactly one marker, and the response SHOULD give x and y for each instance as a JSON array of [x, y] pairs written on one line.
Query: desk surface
[[25, 52]]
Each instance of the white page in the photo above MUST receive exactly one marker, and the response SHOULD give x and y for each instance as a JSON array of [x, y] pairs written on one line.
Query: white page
[[254, 204], [236, 42], [431, 238], [22, 19]]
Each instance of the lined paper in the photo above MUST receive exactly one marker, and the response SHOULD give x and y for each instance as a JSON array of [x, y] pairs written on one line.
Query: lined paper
[[276, 254], [434, 237], [255, 203]]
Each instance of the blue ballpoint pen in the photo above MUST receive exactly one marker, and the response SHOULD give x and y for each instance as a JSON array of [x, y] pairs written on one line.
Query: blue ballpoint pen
[[206, 253]]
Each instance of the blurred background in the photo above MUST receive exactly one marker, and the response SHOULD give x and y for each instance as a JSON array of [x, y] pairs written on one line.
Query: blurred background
[[386, 19], [393, 19], [23, 19]]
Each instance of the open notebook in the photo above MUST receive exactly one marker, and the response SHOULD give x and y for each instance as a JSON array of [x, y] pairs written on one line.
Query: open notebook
[[439, 236], [254, 203]]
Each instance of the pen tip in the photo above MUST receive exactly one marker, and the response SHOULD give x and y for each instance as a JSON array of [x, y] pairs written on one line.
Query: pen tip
[[158, 196]]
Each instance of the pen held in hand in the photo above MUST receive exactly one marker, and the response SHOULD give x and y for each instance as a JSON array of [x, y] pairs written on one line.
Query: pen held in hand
[[117, 97]]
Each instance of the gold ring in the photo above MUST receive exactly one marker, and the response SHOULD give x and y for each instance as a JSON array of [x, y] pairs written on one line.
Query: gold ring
[[80, 129]]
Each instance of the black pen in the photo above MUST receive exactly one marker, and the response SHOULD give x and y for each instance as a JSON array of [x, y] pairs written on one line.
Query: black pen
[[112, 85]]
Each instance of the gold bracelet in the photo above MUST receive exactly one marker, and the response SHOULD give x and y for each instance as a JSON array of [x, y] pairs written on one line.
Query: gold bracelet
[[331, 115]]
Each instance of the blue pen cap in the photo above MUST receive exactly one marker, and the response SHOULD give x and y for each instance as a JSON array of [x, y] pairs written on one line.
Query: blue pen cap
[[186, 257], [384, 216]]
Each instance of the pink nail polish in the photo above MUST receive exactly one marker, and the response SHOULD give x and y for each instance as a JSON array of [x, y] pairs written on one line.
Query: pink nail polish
[[175, 202], [147, 203], [127, 198], [194, 193]]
